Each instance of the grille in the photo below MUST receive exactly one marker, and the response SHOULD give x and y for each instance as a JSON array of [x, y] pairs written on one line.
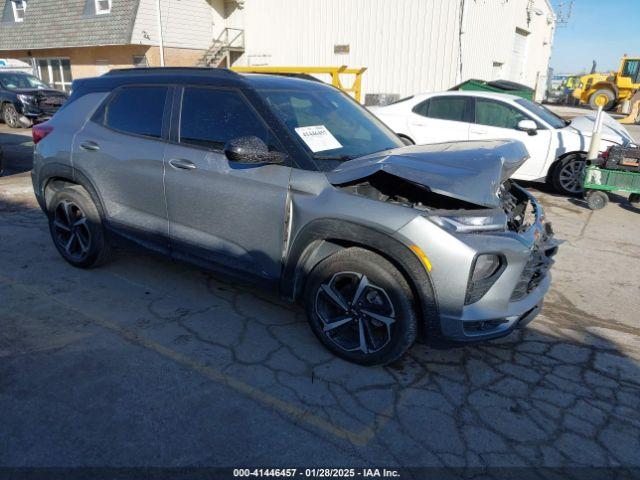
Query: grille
[[50, 105], [534, 271]]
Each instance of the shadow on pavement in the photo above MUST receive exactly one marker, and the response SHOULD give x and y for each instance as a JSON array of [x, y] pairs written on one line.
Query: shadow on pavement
[[101, 367]]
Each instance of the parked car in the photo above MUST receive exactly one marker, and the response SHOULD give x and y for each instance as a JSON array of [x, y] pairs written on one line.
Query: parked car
[[25, 100], [557, 146], [293, 184]]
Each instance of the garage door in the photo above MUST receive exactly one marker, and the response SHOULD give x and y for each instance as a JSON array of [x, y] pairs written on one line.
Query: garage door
[[519, 55]]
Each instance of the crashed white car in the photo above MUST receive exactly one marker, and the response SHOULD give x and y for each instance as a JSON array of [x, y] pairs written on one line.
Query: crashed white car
[[557, 147]]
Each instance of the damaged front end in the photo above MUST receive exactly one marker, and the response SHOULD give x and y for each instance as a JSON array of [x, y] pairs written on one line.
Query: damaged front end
[[487, 241], [462, 187]]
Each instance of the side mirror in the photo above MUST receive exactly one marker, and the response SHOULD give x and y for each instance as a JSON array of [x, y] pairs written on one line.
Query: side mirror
[[251, 150], [528, 126]]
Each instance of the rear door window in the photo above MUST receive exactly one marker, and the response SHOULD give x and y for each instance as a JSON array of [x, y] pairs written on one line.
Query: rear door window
[[210, 118], [137, 110], [498, 114], [444, 108]]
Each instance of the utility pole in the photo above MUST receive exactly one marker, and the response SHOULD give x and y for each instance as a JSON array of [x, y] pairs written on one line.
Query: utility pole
[[160, 35]]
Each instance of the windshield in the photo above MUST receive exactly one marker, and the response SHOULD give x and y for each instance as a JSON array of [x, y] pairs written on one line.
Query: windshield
[[332, 126], [19, 80], [544, 113]]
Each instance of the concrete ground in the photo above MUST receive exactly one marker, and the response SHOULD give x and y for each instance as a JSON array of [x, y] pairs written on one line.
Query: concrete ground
[[149, 362]]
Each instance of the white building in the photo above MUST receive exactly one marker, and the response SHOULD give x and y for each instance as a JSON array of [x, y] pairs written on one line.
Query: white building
[[408, 46]]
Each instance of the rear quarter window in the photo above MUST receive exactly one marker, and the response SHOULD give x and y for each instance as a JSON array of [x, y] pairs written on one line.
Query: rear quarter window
[[137, 110]]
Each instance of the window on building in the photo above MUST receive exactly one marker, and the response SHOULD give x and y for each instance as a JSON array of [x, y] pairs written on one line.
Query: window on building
[[19, 7], [140, 61], [55, 72], [103, 6], [210, 118], [137, 110], [443, 108], [498, 114]]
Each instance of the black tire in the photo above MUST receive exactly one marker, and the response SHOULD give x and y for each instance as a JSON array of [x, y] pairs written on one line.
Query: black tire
[[382, 315], [10, 116], [603, 92], [596, 199], [567, 175], [634, 198], [76, 228]]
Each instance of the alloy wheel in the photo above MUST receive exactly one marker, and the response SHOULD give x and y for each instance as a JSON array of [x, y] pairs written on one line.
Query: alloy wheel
[[571, 175], [356, 315], [10, 116], [71, 230]]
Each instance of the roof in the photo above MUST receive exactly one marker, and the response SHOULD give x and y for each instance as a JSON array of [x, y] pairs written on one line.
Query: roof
[[192, 75], [66, 23], [473, 93]]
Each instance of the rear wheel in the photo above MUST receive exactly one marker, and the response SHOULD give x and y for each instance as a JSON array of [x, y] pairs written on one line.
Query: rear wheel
[[10, 116], [634, 198], [76, 228], [361, 307], [568, 174], [596, 199], [604, 98]]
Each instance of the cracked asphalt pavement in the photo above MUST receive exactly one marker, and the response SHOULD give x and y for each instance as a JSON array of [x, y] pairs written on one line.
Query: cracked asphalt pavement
[[150, 362]]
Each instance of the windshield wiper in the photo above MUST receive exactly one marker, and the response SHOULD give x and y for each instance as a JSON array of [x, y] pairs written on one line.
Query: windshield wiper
[[339, 158]]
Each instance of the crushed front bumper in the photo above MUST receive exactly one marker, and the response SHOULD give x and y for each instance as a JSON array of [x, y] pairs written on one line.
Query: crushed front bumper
[[517, 295]]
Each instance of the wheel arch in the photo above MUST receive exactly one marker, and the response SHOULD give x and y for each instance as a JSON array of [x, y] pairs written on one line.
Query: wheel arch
[[557, 161], [55, 177], [322, 238]]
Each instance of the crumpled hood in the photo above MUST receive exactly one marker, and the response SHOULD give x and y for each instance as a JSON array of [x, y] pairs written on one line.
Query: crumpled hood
[[470, 171], [612, 130]]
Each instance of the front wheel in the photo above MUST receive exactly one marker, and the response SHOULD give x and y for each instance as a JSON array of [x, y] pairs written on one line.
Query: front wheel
[[568, 175], [76, 228], [11, 116], [361, 307]]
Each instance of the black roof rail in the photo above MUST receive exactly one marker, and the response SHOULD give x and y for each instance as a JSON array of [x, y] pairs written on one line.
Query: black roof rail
[[204, 71]]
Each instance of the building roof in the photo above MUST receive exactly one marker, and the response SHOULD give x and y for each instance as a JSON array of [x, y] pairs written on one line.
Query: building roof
[[66, 23]]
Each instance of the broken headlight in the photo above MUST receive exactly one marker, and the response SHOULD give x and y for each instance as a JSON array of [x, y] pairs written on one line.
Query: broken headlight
[[494, 221]]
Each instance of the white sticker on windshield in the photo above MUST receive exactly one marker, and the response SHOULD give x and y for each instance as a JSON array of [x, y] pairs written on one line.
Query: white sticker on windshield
[[318, 138]]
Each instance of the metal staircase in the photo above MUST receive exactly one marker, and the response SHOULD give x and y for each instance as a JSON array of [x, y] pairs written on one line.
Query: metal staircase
[[229, 40]]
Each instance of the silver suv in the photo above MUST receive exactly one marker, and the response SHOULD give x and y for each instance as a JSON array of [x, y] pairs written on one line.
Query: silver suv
[[291, 183]]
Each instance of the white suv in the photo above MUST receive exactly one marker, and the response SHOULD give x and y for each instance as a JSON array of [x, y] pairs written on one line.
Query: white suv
[[556, 146]]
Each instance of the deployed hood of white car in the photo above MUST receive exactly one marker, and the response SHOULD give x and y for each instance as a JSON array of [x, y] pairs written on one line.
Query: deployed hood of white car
[[612, 130], [471, 171]]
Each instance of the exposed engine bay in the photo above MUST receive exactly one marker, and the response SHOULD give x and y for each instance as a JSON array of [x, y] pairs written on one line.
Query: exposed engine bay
[[386, 187]]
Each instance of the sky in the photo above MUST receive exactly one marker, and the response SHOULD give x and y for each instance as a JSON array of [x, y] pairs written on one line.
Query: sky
[[601, 30]]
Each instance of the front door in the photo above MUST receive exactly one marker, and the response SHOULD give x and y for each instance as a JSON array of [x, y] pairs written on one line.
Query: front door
[[228, 213], [440, 119], [497, 120]]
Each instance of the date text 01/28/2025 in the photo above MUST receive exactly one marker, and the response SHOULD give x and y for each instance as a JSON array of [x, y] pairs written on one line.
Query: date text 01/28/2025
[[316, 472]]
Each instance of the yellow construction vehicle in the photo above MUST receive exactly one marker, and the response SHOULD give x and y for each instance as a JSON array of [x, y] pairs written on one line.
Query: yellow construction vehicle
[[610, 90], [337, 75]]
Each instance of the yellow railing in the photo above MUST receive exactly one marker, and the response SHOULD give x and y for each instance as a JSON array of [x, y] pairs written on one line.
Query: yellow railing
[[337, 75]]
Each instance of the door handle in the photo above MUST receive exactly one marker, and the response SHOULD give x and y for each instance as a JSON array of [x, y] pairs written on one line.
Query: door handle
[[182, 164], [90, 146], [479, 132]]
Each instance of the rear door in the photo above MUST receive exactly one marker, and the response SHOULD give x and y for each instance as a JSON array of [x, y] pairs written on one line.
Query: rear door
[[220, 211], [496, 120], [440, 119], [121, 151]]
